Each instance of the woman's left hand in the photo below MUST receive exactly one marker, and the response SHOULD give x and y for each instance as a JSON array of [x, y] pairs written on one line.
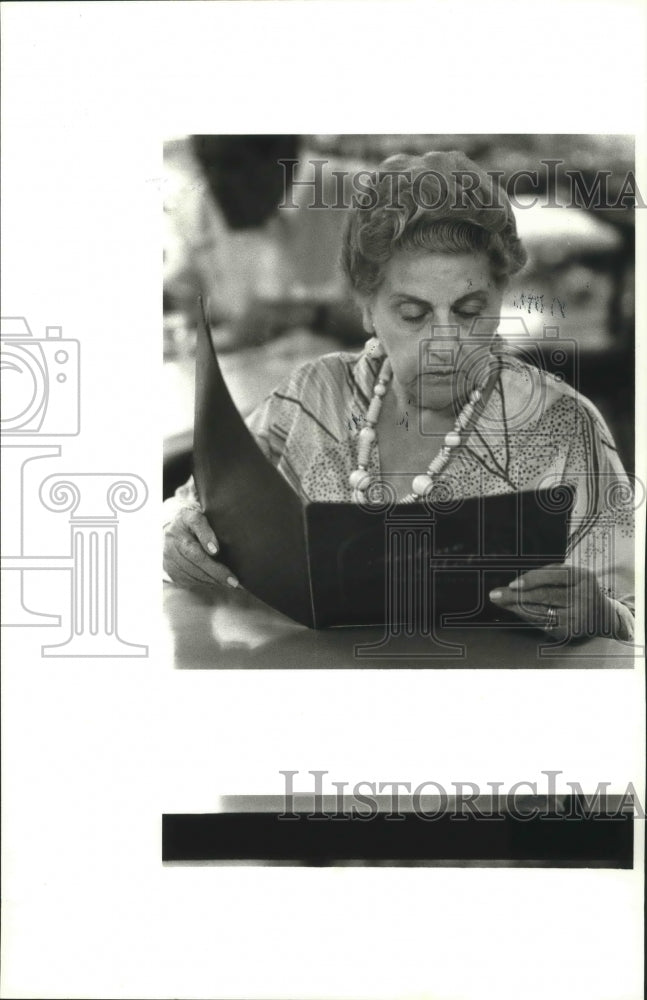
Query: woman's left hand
[[565, 601]]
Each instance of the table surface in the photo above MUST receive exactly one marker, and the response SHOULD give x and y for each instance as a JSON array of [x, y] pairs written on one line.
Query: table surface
[[231, 629]]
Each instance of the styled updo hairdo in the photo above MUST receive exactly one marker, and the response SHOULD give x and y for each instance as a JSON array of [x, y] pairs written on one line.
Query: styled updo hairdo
[[440, 202]]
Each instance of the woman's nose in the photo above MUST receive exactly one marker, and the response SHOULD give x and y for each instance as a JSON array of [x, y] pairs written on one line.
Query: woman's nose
[[442, 336], [441, 326]]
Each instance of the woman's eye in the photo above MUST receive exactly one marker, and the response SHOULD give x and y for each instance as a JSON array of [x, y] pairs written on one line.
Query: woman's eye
[[412, 317], [468, 314]]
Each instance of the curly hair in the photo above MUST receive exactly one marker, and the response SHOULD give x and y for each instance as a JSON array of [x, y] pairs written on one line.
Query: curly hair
[[442, 202]]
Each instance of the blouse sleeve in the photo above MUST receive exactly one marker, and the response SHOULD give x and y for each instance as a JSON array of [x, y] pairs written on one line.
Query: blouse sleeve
[[602, 521], [273, 424]]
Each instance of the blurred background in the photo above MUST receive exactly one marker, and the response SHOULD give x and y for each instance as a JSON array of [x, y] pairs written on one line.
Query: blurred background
[[273, 288]]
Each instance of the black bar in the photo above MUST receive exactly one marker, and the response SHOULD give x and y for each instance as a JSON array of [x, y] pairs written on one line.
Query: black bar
[[582, 841]]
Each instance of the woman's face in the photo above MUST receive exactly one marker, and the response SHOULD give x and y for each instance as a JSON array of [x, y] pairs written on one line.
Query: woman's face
[[422, 295]]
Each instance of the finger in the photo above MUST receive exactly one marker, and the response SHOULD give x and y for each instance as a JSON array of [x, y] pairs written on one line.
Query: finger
[[189, 556], [197, 523], [555, 575], [185, 573], [215, 575], [538, 614], [192, 552], [204, 532], [224, 576], [548, 597]]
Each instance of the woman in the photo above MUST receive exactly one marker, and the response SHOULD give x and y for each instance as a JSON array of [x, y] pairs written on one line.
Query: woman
[[432, 402]]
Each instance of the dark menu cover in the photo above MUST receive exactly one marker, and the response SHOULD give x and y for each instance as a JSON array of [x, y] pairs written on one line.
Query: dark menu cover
[[255, 514]]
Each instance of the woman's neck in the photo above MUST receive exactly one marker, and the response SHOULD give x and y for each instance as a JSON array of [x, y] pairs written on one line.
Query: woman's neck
[[401, 400], [407, 442], [400, 411]]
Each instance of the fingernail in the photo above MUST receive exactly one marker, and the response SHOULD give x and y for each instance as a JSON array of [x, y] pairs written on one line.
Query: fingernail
[[516, 584], [232, 581], [495, 595], [213, 549]]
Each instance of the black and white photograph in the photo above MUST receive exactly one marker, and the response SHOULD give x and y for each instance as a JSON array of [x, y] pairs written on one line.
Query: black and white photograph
[[430, 340], [323, 499]]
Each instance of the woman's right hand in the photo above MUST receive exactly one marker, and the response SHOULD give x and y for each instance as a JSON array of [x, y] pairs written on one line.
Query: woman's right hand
[[191, 550]]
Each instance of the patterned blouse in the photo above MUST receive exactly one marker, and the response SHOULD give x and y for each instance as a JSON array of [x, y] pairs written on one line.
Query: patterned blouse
[[534, 431]]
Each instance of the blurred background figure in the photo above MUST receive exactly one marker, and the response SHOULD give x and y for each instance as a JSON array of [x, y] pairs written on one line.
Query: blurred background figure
[[261, 269]]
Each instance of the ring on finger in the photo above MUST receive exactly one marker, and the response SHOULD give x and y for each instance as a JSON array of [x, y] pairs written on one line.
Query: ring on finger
[[551, 621]]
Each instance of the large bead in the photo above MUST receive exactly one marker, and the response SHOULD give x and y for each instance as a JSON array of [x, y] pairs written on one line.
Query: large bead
[[374, 410], [359, 479], [421, 484], [379, 390], [367, 435], [452, 439]]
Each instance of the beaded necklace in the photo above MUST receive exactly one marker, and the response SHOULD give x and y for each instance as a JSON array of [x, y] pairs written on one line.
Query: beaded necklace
[[360, 479]]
